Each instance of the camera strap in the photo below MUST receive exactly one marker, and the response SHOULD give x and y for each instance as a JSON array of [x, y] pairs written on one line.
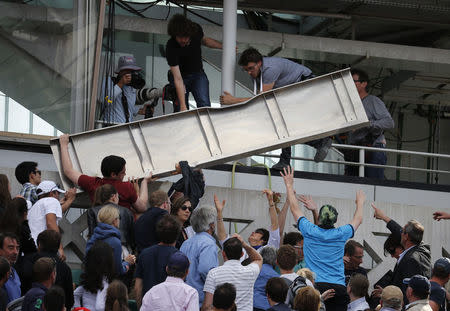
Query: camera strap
[[125, 107]]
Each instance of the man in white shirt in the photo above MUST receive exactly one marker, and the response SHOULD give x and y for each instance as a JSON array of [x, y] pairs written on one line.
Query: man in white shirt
[[242, 277], [357, 288], [47, 211], [173, 293]]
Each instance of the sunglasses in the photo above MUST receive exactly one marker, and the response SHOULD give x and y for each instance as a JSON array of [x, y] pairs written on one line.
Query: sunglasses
[[37, 172], [184, 207]]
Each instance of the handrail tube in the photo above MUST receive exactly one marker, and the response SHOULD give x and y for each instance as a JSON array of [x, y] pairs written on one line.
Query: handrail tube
[[425, 154], [358, 164]]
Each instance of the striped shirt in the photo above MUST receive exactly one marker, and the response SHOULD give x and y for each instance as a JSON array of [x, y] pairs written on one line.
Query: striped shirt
[[29, 192], [242, 277]]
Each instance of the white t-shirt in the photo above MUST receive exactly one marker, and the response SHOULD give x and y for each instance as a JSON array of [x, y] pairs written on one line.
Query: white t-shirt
[[91, 301], [37, 213], [242, 277]]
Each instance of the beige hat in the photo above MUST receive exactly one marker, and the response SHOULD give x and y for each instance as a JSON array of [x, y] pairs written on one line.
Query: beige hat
[[392, 294]]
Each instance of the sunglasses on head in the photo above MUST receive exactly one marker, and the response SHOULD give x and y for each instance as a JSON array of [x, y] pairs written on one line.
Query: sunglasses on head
[[184, 207]]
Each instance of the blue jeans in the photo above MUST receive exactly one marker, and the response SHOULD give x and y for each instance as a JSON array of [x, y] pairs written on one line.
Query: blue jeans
[[372, 157], [196, 83], [375, 157]]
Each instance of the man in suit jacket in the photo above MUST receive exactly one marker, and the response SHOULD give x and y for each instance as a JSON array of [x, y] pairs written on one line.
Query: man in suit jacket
[[415, 259]]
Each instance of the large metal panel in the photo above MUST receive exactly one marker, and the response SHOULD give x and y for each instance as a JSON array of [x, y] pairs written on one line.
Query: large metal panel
[[297, 113]]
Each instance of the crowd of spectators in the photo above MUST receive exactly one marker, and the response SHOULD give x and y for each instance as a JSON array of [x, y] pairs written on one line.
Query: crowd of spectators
[[167, 256]]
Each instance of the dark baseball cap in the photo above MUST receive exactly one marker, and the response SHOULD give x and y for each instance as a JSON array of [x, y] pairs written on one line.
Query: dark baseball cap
[[178, 262], [127, 62], [443, 263], [418, 283]]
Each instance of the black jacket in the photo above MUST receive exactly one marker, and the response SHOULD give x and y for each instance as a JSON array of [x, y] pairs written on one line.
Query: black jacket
[[191, 184], [416, 260]]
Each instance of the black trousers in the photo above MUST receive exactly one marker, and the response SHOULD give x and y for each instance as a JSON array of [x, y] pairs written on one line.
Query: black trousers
[[340, 300]]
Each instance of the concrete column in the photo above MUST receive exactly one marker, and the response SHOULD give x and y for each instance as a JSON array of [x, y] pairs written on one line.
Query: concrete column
[[229, 45], [84, 25]]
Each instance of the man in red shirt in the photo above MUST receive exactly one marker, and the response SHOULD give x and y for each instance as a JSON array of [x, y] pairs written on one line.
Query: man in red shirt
[[113, 170]]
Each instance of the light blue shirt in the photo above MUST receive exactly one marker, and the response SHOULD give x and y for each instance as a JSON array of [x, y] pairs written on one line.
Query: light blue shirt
[[324, 250], [114, 112], [259, 290], [282, 72], [201, 249], [12, 286]]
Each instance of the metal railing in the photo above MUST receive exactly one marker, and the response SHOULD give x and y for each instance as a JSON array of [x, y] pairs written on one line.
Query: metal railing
[[362, 152]]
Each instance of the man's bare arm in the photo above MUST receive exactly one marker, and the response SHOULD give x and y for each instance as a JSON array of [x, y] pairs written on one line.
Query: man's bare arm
[[207, 302], [138, 292], [288, 177], [358, 216], [141, 203], [282, 217], [211, 43], [66, 163], [272, 211], [179, 87], [221, 232]]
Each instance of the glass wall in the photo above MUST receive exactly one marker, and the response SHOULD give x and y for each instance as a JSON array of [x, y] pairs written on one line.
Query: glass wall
[[46, 52]]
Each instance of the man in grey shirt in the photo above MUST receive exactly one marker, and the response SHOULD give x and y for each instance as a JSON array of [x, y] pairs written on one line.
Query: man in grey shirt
[[373, 135], [269, 73]]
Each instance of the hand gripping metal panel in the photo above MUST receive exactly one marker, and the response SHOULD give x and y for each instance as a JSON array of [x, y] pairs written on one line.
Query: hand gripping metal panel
[[297, 113]]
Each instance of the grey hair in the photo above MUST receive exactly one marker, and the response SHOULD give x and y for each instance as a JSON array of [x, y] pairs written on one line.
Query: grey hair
[[269, 255], [202, 217]]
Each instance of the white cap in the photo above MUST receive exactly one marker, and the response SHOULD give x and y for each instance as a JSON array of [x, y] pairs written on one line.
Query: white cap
[[47, 186]]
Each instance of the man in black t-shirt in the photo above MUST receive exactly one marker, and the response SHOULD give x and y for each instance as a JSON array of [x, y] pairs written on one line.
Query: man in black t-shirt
[[184, 56]]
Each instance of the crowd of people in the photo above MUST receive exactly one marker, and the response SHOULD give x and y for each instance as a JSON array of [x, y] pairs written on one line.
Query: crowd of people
[[163, 251]]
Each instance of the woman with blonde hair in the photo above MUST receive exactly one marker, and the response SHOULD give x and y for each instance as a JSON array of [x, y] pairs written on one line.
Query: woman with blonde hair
[[107, 230], [307, 299], [116, 297], [107, 194]]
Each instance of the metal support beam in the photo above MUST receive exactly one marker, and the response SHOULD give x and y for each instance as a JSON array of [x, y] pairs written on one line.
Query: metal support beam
[[97, 59], [229, 45], [274, 119], [395, 80]]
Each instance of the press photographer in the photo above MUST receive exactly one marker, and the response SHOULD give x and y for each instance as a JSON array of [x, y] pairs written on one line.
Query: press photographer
[[120, 98]]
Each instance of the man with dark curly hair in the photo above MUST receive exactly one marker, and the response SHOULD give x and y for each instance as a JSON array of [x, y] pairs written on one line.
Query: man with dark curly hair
[[184, 56]]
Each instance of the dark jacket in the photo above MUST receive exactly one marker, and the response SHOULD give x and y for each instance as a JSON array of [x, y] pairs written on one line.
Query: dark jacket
[[27, 244], [110, 235], [416, 261], [126, 224], [191, 184], [63, 275], [279, 307], [33, 300], [145, 228]]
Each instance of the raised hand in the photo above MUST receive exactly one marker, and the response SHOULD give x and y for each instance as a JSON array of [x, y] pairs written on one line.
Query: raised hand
[[307, 202], [441, 215], [288, 176], [219, 205]]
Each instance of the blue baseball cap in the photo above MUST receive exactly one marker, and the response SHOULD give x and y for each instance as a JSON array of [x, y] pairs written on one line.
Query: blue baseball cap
[[418, 283], [178, 262]]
